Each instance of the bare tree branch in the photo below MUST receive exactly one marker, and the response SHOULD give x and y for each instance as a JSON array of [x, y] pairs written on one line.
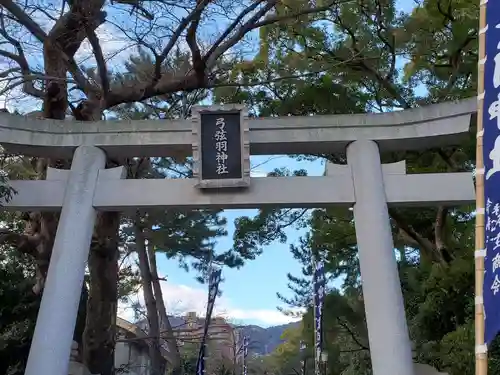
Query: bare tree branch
[[101, 62], [24, 19], [64, 38], [20, 59], [202, 66], [195, 14], [24, 243], [242, 31], [197, 61], [233, 26]]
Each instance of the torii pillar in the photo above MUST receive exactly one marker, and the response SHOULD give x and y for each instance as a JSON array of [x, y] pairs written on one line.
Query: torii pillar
[[53, 336], [390, 345]]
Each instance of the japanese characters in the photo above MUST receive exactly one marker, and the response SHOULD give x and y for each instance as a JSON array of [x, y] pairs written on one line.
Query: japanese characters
[[494, 155], [319, 296], [492, 228], [220, 137], [494, 112], [221, 148]]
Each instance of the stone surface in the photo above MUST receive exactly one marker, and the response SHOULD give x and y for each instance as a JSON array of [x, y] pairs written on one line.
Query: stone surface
[[421, 369], [418, 128], [76, 368], [53, 337], [390, 345], [415, 190]]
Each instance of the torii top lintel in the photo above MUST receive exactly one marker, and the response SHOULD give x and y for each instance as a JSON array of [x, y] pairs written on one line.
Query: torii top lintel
[[419, 128]]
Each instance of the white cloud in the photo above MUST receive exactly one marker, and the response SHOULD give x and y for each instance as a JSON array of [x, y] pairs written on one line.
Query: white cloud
[[180, 299], [267, 317], [258, 173]]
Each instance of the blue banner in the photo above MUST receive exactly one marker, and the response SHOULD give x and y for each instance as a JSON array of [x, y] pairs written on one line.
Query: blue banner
[[213, 289], [200, 364], [491, 143], [302, 348], [319, 283], [245, 354]]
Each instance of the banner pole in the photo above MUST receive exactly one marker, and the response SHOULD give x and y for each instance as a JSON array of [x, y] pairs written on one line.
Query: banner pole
[[315, 317], [480, 348]]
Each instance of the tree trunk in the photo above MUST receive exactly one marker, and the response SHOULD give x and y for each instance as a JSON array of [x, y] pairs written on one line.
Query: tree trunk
[[149, 299], [165, 326], [80, 320], [44, 225], [100, 329]]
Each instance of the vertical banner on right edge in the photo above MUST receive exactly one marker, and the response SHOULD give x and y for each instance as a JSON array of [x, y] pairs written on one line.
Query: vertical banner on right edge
[[245, 355], [491, 154], [319, 296]]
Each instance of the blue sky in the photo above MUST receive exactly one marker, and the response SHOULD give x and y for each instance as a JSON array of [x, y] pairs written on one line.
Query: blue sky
[[249, 294]]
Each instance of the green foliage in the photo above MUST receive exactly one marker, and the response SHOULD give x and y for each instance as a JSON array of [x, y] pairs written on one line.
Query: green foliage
[[18, 304], [285, 359], [18, 309], [6, 191], [441, 40], [189, 357]]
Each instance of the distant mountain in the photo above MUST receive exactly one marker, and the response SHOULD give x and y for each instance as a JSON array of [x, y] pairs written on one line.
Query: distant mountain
[[264, 340]]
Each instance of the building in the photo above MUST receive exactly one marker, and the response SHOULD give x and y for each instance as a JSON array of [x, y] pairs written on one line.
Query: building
[[132, 352], [223, 340]]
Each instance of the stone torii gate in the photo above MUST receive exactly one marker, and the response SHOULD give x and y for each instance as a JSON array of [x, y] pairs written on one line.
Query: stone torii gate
[[364, 183]]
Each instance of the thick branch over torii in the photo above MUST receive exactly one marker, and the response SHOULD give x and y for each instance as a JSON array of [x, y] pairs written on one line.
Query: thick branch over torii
[[82, 18]]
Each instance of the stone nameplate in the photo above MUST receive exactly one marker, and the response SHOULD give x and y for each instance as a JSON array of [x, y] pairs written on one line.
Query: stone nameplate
[[220, 146]]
